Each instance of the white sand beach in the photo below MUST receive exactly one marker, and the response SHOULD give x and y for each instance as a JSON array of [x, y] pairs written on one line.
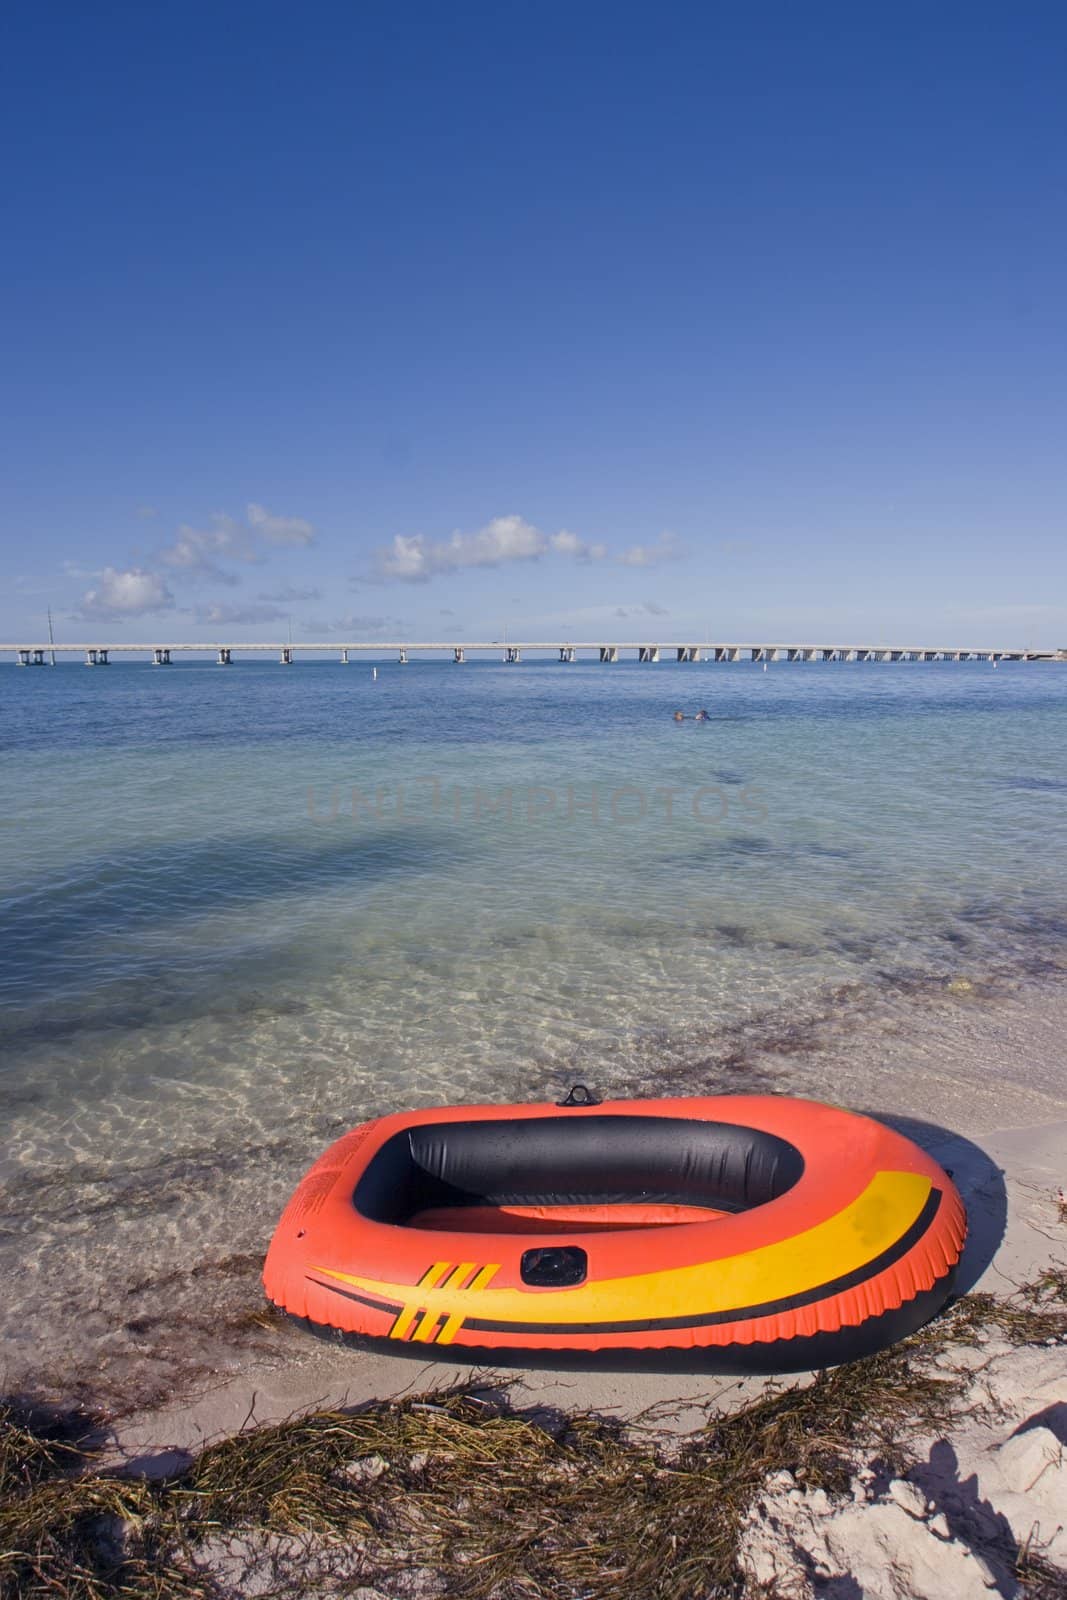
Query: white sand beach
[[992, 1485]]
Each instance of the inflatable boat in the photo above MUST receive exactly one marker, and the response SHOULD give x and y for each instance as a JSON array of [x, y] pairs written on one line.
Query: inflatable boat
[[765, 1233]]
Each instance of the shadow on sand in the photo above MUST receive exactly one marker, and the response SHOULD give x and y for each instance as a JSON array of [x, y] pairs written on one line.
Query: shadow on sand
[[980, 1182]]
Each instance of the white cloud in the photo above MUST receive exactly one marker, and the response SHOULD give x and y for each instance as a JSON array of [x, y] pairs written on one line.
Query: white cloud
[[197, 552], [414, 558], [666, 548], [117, 595], [234, 616], [279, 530], [353, 627], [648, 609], [407, 559], [289, 594], [570, 544]]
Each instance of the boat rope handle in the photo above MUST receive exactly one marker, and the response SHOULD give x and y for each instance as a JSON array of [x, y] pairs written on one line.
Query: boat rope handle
[[579, 1095]]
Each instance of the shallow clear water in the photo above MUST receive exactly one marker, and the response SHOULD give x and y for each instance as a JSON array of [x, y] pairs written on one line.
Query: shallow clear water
[[245, 908]]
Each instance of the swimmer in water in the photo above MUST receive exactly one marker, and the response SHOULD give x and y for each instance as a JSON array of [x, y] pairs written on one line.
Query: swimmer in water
[[702, 716], [679, 716]]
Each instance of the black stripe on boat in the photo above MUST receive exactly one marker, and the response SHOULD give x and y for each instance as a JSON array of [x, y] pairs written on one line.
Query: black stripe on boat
[[390, 1307], [769, 1308]]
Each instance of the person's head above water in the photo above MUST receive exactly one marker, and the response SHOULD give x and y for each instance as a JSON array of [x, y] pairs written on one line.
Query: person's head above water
[[702, 716], [679, 716]]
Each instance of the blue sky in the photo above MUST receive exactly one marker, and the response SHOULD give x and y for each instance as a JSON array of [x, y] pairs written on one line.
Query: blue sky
[[587, 320]]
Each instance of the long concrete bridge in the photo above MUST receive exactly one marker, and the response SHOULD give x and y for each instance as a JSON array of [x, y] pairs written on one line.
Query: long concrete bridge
[[163, 655]]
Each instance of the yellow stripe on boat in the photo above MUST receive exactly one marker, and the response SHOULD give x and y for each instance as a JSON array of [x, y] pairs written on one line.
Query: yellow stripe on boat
[[844, 1243]]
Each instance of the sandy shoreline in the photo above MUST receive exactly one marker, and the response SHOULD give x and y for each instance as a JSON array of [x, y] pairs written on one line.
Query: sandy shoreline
[[131, 1277], [985, 1497], [980, 1495], [979, 1508], [993, 1483], [1009, 1180]]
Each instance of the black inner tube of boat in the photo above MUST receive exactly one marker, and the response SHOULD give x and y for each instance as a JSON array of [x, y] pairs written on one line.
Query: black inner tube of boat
[[595, 1160]]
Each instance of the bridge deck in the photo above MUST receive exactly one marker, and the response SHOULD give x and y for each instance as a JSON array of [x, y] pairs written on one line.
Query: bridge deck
[[383, 647]]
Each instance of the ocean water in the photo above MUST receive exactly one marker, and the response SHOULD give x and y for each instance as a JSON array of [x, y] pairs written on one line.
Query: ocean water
[[244, 909]]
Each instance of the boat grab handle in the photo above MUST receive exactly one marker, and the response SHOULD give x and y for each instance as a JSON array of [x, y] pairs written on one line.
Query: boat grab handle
[[579, 1095]]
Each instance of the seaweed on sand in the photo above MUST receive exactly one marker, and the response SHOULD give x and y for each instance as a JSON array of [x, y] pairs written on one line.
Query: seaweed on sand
[[458, 1494]]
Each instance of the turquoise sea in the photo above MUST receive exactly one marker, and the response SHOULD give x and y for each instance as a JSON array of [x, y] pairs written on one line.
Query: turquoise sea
[[244, 908]]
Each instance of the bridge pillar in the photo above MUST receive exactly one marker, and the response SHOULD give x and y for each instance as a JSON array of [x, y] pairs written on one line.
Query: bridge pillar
[[512, 654], [459, 655], [403, 656], [161, 656], [225, 659], [38, 659], [648, 652], [344, 658], [97, 657], [286, 657], [23, 658], [609, 652], [688, 652], [566, 652]]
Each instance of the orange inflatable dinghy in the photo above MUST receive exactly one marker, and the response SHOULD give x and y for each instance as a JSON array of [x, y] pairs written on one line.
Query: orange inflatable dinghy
[[770, 1234]]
